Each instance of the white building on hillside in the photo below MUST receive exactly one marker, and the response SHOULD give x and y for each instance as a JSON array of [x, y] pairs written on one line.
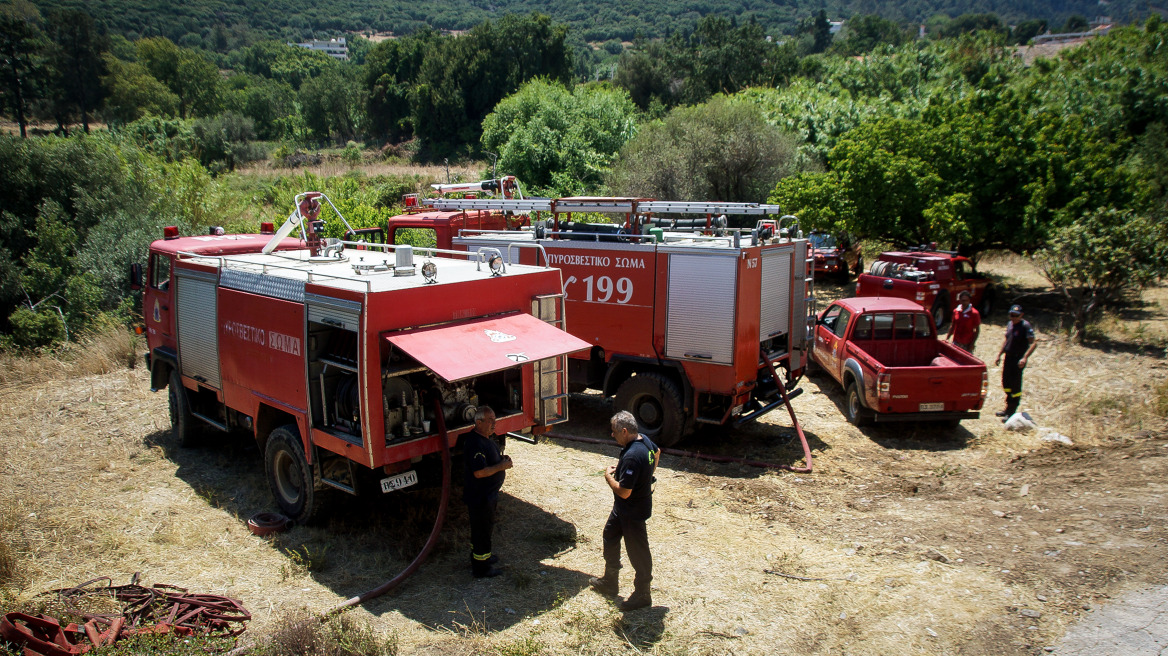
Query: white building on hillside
[[333, 47]]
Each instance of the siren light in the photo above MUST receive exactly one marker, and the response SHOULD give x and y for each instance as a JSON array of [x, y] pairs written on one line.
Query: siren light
[[170, 232]]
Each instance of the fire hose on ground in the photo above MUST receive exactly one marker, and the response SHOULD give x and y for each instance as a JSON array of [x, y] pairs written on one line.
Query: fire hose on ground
[[430, 542]]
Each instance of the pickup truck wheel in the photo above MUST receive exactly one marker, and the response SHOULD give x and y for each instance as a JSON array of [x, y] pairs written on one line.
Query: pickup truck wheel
[[853, 407], [656, 403], [183, 426], [940, 311], [290, 476]]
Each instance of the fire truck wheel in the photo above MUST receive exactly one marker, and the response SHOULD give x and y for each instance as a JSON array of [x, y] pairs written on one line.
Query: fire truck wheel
[[854, 407], [987, 303], [656, 403], [940, 310], [183, 425], [289, 475]]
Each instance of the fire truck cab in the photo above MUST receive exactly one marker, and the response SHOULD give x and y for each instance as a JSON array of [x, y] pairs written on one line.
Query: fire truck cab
[[350, 364], [689, 322]]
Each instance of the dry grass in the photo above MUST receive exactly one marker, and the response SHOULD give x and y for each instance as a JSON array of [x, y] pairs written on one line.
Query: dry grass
[[337, 168], [108, 348], [895, 521]]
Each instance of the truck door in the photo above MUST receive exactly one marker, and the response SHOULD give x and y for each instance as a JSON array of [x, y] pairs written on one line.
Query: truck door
[[963, 281], [158, 300], [828, 337]]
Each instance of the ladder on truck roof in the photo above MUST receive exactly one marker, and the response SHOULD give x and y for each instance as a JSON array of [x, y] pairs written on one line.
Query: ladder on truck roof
[[608, 205]]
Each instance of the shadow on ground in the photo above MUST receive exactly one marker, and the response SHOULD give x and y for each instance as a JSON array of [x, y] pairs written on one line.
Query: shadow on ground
[[912, 435], [363, 542], [776, 445]]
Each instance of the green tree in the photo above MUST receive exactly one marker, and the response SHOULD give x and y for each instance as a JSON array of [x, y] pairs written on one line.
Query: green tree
[[463, 78], [225, 141], [279, 61], [1101, 258], [270, 104], [333, 105], [22, 46], [721, 150], [1075, 23], [132, 92], [77, 58], [815, 33], [645, 73], [391, 67], [551, 137], [863, 34], [189, 75], [1026, 30]]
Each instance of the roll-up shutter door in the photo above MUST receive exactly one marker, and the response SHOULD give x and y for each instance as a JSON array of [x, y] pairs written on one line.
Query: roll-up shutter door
[[334, 312], [198, 325], [701, 287], [774, 314]]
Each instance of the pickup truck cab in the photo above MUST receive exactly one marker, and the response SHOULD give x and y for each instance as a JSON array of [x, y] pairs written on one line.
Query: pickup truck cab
[[932, 279], [886, 355]]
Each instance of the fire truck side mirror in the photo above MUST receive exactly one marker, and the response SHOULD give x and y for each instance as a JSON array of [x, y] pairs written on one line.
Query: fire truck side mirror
[[135, 276]]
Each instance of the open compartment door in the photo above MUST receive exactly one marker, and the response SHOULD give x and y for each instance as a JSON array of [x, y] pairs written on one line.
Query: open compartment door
[[482, 346]]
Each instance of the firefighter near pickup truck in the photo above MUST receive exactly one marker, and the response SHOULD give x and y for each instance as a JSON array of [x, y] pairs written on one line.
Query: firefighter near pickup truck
[[354, 367], [690, 322]]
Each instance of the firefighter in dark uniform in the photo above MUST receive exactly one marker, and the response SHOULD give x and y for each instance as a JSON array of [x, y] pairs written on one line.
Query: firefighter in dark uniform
[[631, 481], [485, 467], [1017, 347]]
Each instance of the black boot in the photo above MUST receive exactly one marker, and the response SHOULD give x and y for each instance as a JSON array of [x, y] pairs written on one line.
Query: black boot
[[639, 599], [606, 585]]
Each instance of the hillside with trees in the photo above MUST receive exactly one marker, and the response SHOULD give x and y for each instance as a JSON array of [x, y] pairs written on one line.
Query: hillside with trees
[[872, 131], [221, 26]]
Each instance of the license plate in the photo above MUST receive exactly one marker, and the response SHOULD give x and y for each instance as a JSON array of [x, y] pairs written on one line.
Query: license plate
[[932, 407], [399, 481]]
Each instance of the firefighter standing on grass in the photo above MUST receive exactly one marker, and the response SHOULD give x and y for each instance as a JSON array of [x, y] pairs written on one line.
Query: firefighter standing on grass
[[1017, 347], [631, 481], [485, 471]]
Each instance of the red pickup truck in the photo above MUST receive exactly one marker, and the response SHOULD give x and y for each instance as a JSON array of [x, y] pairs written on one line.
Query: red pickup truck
[[835, 258], [885, 353], [931, 278]]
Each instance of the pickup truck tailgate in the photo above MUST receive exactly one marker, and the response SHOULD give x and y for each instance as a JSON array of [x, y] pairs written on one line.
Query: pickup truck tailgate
[[941, 387]]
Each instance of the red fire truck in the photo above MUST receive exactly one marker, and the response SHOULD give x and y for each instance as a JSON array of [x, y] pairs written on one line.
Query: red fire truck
[[440, 227], [689, 322], [349, 363]]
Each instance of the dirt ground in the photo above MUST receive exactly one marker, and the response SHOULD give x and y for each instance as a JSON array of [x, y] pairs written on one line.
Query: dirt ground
[[909, 539]]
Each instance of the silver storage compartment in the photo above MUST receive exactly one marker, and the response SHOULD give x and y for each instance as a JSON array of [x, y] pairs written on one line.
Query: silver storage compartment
[[198, 325], [775, 301], [701, 286]]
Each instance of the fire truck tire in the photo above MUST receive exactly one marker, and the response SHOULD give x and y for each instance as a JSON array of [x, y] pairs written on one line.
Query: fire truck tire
[[940, 311], [987, 303], [656, 403], [183, 425], [289, 475], [853, 407]]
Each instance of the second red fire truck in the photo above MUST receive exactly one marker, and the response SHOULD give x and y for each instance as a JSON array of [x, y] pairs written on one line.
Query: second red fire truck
[[688, 322]]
